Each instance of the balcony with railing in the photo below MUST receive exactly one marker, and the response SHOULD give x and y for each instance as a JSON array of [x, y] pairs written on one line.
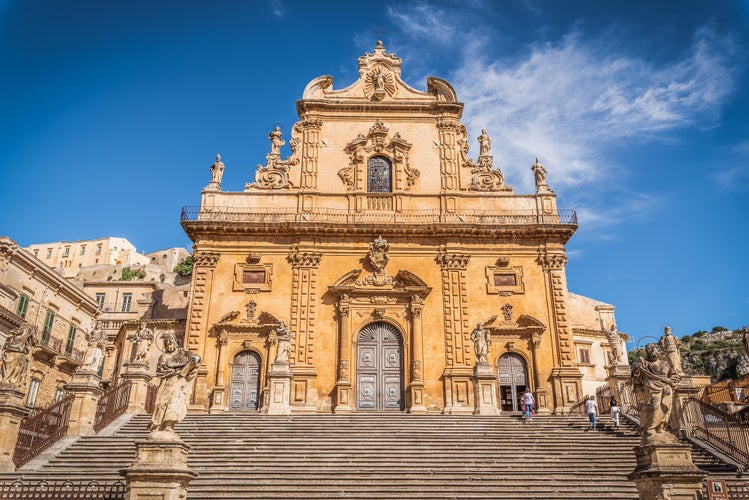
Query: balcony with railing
[[379, 212]]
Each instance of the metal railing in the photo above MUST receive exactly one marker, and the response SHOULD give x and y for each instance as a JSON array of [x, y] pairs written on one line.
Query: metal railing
[[723, 431], [89, 490], [42, 429], [112, 404], [151, 398], [337, 216], [629, 404], [603, 397]]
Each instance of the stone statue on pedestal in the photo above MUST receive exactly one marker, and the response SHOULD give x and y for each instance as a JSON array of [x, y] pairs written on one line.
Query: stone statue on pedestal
[[284, 337], [15, 356], [176, 368], [616, 356], [670, 346], [217, 173], [654, 380], [141, 341], [482, 342]]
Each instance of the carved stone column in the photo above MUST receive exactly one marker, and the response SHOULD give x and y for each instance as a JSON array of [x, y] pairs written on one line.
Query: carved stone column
[[565, 375], [12, 412], [667, 471], [197, 327], [304, 266], [458, 347], [86, 387], [219, 390], [310, 128], [450, 132], [137, 374], [416, 387], [159, 472], [539, 377], [343, 384]]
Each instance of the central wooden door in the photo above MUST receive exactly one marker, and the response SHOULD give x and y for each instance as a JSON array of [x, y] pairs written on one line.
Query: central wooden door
[[245, 380], [379, 368], [513, 379]]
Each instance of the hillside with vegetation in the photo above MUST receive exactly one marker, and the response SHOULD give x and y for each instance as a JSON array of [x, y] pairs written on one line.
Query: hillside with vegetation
[[719, 353]]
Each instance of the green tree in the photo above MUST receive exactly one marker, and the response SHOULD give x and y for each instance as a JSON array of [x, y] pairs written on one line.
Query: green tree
[[184, 266]]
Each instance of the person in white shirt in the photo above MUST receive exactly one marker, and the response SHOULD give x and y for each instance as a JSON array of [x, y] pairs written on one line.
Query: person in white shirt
[[591, 408], [528, 403], [615, 411]]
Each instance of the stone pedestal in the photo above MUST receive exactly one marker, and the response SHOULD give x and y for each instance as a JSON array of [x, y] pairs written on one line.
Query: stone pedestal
[[666, 471], [343, 397], [12, 412], [484, 390], [618, 377], [279, 382], [416, 398], [160, 471], [137, 374], [684, 390], [86, 387]]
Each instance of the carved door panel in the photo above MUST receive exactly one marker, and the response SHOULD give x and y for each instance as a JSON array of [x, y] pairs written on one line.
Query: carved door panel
[[379, 368], [245, 381], [513, 379]]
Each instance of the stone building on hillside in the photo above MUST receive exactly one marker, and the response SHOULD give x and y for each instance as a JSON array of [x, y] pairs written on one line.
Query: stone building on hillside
[[168, 258], [71, 256], [61, 314], [405, 274]]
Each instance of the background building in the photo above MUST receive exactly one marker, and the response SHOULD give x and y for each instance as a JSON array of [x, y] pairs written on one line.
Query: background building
[[71, 256]]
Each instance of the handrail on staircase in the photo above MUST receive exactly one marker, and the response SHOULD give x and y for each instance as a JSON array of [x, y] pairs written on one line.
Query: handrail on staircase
[[112, 404], [41, 429], [723, 431]]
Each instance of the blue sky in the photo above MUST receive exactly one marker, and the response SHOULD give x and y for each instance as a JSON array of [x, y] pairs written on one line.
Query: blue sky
[[112, 113]]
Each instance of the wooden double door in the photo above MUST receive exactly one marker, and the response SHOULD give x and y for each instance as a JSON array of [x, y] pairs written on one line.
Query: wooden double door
[[513, 380], [379, 368], [245, 381]]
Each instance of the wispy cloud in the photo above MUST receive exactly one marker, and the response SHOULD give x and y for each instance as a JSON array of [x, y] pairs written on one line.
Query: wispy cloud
[[277, 7], [733, 168], [572, 100]]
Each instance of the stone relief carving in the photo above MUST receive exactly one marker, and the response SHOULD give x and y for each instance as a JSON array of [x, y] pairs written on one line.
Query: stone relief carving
[[275, 173], [654, 381], [250, 311], [217, 173], [485, 176], [15, 357], [378, 254], [507, 313], [378, 83], [539, 173], [94, 354], [176, 369]]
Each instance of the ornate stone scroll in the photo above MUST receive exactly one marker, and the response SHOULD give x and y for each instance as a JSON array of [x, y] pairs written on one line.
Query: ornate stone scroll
[[275, 173]]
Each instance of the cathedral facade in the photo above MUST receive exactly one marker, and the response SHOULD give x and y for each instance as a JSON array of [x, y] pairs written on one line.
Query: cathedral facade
[[386, 267]]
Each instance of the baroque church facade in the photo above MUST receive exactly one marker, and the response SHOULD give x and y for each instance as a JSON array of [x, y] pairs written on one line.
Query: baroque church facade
[[409, 276]]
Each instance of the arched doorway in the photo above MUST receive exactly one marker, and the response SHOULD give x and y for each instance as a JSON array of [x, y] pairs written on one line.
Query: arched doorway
[[245, 381], [513, 380], [379, 368]]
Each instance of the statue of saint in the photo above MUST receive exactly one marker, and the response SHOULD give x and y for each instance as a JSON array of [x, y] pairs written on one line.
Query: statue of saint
[[653, 381], [141, 341], [539, 172], [276, 141], [616, 356], [217, 171], [485, 143], [176, 369], [670, 346], [482, 342], [15, 357], [284, 336]]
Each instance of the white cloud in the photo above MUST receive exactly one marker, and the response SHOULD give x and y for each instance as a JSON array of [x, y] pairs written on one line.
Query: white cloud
[[277, 7], [733, 168]]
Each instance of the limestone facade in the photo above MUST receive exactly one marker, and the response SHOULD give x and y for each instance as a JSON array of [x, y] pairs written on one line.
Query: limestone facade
[[62, 313], [381, 244], [71, 256]]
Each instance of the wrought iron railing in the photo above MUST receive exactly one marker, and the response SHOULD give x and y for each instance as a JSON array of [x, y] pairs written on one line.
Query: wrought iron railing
[[151, 398], [603, 398], [42, 429], [629, 403], [336, 216], [89, 490], [112, 404], [723, 431]]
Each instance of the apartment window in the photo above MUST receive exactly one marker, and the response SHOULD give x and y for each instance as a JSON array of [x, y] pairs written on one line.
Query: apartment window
[[23, 305], [36, 253], [83, 250], [66, 252], [98, 249], [71, 340], [127, 299], [59, 393], [49, 253], [583, 355], [49, 321], [33, 391], [100, 298]]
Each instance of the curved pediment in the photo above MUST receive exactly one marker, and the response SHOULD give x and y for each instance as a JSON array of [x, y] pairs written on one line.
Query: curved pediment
[[379, 80]]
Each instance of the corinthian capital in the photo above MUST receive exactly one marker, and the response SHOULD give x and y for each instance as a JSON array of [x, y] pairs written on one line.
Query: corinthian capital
[[552, 262]]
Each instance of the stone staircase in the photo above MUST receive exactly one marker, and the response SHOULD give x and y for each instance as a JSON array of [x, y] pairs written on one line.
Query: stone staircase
[[248, 455]]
